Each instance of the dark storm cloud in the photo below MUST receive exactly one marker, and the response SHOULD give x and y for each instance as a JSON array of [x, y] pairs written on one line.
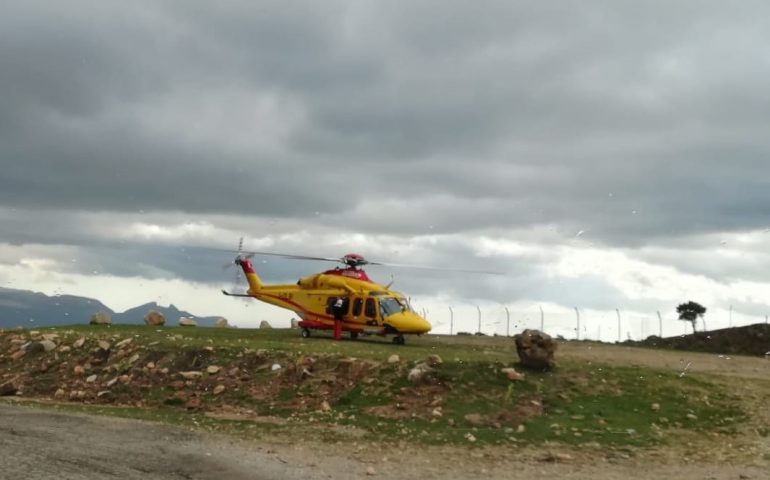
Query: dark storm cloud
[[635, 122]]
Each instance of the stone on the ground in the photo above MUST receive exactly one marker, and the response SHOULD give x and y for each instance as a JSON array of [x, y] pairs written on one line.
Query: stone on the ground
[[265, 324], [219, 389], [154, 318], [104, 345], [79, 342], [421, 374], [191, 375], [100, 318], [535, 349], [325, 407], [222, 323], [91, 379], [475, 419], [187, 322], [512, 374], [8, 389], [394, 358], [48, 345], [34, 347], [213, 369], [433, 360]]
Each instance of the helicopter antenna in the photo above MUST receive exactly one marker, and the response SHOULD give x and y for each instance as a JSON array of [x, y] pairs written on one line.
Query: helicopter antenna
[[392, 279]]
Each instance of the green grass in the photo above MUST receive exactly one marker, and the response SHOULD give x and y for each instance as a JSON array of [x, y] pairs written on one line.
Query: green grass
[[576, 403]]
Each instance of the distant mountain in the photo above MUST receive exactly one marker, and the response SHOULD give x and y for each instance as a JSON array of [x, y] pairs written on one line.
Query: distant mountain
[[23, 308]]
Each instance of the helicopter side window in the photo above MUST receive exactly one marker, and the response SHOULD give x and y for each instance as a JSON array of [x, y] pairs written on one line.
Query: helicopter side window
[[371, 309], [357, 304]]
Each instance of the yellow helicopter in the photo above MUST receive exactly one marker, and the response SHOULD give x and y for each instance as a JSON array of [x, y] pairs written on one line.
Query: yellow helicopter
[[340, 299]]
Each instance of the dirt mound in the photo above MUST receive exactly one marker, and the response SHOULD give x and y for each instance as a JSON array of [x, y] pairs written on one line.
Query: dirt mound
[[749, 340]]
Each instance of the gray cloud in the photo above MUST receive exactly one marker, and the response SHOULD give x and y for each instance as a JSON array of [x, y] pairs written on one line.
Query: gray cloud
[[642, 125]]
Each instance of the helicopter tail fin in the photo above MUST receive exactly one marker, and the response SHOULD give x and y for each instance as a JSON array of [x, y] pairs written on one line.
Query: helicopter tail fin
[[255, 284]]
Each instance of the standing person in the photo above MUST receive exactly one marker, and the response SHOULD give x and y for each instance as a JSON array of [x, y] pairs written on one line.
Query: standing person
[[338, 309]]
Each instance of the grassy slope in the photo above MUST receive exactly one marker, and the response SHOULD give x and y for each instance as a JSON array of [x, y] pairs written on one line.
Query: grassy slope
[[577, 403]]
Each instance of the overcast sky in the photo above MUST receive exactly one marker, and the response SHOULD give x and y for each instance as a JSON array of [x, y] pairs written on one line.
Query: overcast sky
[[602, 155]]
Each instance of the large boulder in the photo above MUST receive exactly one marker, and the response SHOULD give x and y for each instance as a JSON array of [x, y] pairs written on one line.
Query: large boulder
[[187, 322], [222, 323], [154, 318], [265, 324], [101, 318], [535, 349]]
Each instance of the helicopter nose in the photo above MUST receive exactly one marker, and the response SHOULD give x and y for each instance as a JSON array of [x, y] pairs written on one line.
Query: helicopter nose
[[409, 323]]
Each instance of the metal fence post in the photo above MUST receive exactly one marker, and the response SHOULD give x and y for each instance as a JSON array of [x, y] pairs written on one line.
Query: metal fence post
[[577, 332], [451, 321], [542, 319], [479, 309]]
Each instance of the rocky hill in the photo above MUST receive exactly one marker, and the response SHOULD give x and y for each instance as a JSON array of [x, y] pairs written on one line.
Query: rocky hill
[[33, 309], [748, 340]]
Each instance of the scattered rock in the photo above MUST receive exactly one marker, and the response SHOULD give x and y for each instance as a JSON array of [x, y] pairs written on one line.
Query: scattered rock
[[655, 407], [133, 358], [512, 374], [34, 348], [436, 412], [79, 342], [535, 349], [213, 369], [154, 318], [60, 393], [8, 389], [475, 419], [521, 429], [692, 416], [275, 367], [394, 358], [222, 323], [470, 437], [65, 349], [265, 324], [421, 374], [17, 355], [91, 379], [193, 404], [100, 318], [433, 360], [370, 471], [191, 375], [219, 389], [104, 345], [48, 345], [325, 407], [112, 382], [123, 343], [556, 457], [78, 370], [187, 322]]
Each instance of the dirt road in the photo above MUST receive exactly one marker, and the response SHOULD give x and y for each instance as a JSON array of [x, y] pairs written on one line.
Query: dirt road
[[41, 443]]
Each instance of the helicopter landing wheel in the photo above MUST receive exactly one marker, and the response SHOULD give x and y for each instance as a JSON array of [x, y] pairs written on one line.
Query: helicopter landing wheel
[[398, 340], [353, 335], [305, 333]]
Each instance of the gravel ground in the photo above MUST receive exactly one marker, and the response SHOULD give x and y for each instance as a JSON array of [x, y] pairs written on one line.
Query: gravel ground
[[42, 444]]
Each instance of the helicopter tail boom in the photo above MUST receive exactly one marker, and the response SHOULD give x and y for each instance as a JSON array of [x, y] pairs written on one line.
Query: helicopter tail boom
[[255, 284]]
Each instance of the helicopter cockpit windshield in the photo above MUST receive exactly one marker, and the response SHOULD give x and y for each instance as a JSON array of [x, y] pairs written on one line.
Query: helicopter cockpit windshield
[[390, 305]]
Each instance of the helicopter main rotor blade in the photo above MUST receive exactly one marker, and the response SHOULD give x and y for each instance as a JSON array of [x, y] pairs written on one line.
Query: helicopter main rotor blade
[[282, 255], [426, 267]]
